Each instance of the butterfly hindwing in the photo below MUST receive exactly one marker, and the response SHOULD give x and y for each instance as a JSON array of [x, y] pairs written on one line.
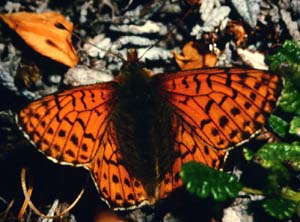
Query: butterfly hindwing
[[115, 184], [189, 147]]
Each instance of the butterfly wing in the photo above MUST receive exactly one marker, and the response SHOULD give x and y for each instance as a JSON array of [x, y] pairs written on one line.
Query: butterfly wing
[[74, 127], [214, 110], [67, 126]]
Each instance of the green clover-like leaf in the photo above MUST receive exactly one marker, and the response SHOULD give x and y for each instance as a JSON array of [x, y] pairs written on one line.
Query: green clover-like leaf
[[290, 98], [289, 53], [279, 208], [204, 181], [295, 126], [272, 155], [287, 62], [278, 125]]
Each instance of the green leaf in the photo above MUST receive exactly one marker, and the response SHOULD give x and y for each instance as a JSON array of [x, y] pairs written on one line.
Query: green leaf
[[204, 181], [295, 126], [272, 155], [276, 157], [291, 50], [248, 153], [293, 73], [287, 62], [289, 53], [279, 208], [290, 98], [278, 125]]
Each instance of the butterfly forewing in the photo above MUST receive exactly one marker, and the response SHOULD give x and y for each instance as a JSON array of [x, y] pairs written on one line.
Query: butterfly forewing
[[214, 110], [68, 126], [223, 106]]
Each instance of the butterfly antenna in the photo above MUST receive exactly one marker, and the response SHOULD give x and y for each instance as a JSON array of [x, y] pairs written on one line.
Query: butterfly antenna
[[61, 26], [171, 30]]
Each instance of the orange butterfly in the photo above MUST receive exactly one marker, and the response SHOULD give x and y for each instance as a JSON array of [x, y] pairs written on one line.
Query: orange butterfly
[[134, 133]]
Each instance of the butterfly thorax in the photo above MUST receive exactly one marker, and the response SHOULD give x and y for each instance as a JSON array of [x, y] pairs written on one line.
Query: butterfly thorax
[[144, 129]]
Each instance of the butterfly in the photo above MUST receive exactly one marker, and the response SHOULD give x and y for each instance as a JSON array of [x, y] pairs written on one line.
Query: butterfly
[[134, 133]]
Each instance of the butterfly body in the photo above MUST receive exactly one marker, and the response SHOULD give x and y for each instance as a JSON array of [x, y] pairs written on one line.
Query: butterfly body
[[144, 127], [134, 133]]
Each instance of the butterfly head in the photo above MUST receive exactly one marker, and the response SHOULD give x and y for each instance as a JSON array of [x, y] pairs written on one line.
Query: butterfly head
[[133, 68]]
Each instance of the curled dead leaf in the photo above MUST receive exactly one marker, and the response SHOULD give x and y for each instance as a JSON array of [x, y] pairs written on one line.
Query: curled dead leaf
[[27, 75], [48, 33], [192, 58], [237, 29]]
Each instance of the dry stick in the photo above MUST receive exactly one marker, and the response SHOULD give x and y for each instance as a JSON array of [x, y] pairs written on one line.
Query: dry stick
[[109, 51], [5, 213], [61, 26], [25, 203], [27, 195], [249, 190]]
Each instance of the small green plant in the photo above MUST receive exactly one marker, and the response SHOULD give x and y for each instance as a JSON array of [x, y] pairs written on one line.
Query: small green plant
[[279, 208], [279, 161], [205, 181]]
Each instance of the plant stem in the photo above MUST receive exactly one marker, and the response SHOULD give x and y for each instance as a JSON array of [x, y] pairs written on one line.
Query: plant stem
[[249, 190]]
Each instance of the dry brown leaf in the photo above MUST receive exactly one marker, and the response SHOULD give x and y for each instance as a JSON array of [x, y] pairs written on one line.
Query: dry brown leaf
[[237, 29], [191, 58], [48, 33], [27, 75]]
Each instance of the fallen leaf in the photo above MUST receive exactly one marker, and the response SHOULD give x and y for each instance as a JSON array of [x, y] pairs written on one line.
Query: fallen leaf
[[48, 33], [254, 59], [27, 75], [191, 58], [237, 29]]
